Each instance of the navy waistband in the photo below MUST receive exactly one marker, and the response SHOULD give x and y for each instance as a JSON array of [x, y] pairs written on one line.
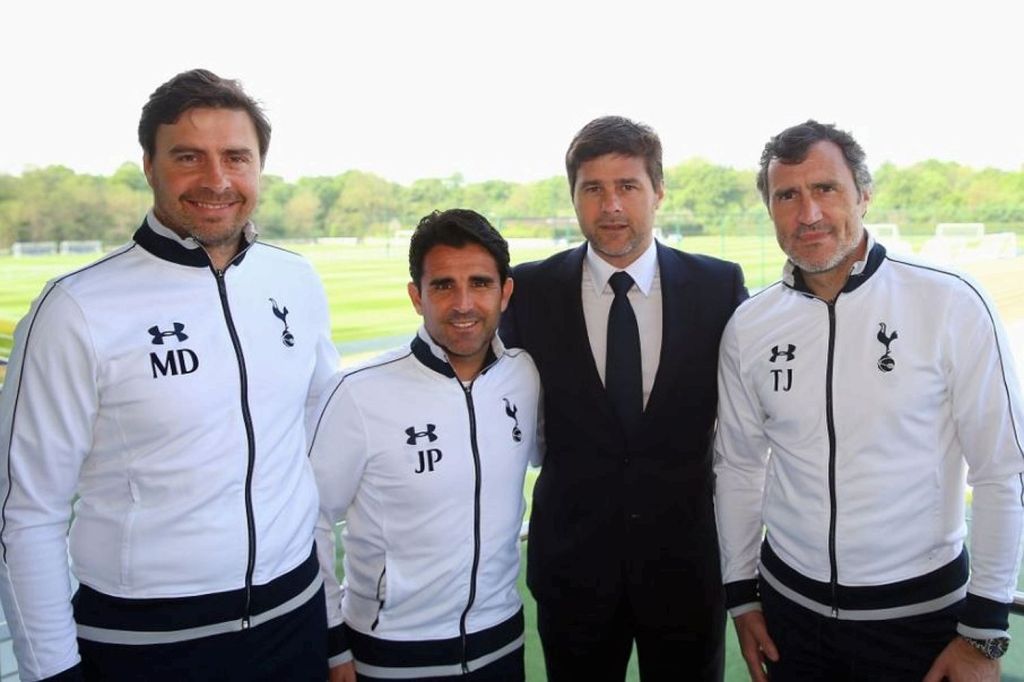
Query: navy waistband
[[922, 589], [93, 608], [390, 654]]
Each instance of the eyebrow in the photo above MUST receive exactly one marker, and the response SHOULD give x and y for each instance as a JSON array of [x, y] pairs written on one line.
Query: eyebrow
[[617, 181], [183, 148]]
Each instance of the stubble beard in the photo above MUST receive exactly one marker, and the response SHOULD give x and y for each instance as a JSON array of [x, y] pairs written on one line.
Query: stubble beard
[[842, 252], [212, 235], [604, 247], [227, 236]]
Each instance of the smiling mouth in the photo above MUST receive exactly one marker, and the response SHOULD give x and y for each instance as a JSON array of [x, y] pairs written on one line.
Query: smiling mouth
[[463, 324], [211, 206]]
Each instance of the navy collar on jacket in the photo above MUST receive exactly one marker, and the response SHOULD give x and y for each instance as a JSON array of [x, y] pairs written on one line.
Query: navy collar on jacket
[[165, 244], [793, 277], [433, 356]]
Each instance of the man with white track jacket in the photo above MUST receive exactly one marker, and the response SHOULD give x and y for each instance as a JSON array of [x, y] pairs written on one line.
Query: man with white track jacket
[[423, 451], [854, 396], [168, 386]]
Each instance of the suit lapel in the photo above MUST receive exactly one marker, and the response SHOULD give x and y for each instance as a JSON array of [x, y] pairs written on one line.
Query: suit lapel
[[575, 341], [677, 313]]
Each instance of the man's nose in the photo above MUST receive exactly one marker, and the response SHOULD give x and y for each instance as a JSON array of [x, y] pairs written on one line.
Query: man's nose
[[810, 212], [611, 202], [214, 177], [463, 299]]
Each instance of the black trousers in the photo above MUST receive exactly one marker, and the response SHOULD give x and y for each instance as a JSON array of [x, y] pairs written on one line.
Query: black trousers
[[291, 647], [578, 649], [816, 647]]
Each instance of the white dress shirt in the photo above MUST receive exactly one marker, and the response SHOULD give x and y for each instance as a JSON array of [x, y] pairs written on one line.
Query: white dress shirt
[[644, 296]]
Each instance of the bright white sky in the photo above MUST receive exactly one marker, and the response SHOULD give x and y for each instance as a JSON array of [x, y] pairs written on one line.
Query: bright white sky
[[496, 90]]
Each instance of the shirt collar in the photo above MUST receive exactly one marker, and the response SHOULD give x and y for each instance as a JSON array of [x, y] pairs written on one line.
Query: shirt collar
[[642, 270]]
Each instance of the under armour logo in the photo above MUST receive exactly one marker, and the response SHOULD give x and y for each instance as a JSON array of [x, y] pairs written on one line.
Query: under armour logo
[[286, 336], [790, 353], [511, 410], [886, 363], [159, 336], [415, 435]]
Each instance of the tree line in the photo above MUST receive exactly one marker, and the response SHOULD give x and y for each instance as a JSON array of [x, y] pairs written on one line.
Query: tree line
[[56, 204]]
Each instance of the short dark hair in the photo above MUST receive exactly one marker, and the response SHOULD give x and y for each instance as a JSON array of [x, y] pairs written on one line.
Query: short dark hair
[[194, 89], [792, 145], [456, 227], [615, 135]]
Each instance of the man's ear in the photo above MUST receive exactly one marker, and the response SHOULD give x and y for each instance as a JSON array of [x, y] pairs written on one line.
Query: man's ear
[[414, 296], [147, 168], [506, 292], [865, 199]]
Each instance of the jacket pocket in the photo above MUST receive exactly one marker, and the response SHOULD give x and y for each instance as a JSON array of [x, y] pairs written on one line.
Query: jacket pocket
[[380, 595]]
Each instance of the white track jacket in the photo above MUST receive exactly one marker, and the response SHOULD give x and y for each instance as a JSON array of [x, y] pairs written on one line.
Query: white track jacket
[[428, 474], [171, 399], [847, 428]]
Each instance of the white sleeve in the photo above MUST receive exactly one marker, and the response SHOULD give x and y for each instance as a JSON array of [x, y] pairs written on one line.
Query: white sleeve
[[989, 416], [47, 409], [327, 361], [338, 455], [740, 462]]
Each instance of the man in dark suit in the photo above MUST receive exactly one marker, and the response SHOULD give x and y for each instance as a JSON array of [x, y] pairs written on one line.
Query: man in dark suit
[[622, 541]]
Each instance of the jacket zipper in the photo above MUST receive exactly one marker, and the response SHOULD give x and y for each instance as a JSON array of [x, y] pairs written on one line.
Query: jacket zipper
[[830, 422], [468, 390], [251, 439]]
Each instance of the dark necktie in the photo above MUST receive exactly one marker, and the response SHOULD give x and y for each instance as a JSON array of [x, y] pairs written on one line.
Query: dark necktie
[[623, 375]]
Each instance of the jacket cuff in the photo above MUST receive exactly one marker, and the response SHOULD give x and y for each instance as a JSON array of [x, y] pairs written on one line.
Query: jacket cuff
[[338, 650], [983, 618], [72, 674], [738, 611], [741, 593]]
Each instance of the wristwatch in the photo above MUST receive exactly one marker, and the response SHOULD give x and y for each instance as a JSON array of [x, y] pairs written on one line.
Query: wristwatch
[[992, 648]]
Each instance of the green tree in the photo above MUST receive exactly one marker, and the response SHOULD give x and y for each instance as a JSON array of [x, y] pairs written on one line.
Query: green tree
[[366, 205]]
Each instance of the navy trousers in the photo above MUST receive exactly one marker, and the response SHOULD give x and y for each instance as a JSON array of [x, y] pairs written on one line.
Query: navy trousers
[[815, 647], [291, 647]]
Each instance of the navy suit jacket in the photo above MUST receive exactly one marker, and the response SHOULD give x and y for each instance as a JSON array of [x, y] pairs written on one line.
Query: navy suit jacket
[[626, 515]]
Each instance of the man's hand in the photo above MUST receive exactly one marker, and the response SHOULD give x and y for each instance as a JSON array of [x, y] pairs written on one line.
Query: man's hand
[[961, 662], [345, 672], [755, 644]]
